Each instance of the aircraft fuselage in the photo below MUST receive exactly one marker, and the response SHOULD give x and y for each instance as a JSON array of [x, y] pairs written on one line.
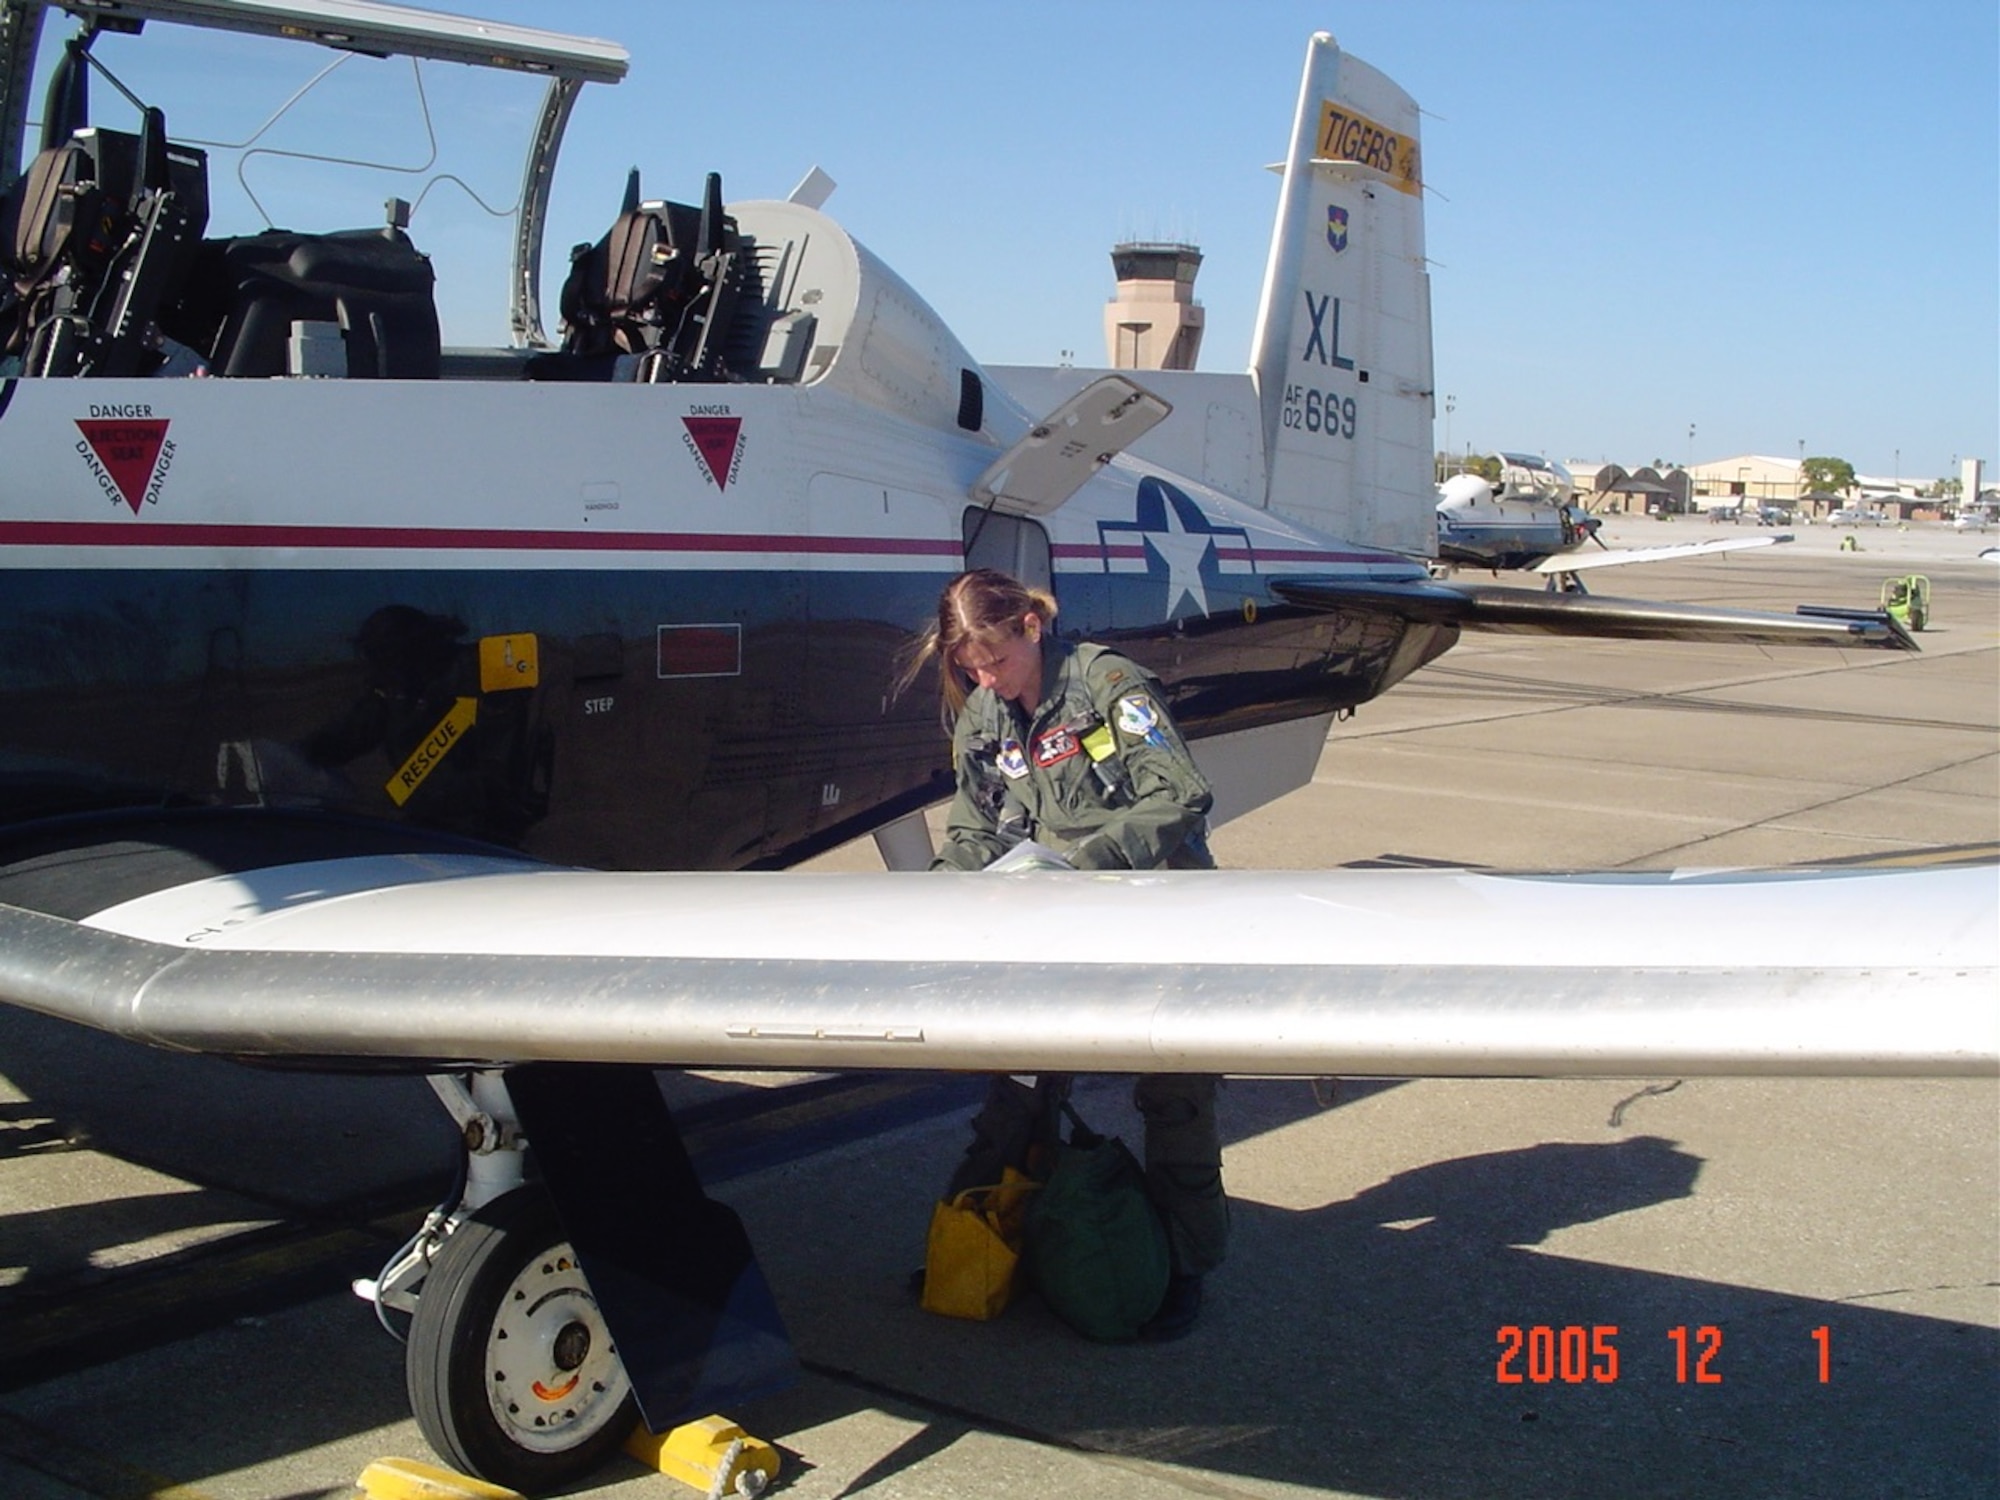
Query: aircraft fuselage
[[1509, 534], [624, 625]]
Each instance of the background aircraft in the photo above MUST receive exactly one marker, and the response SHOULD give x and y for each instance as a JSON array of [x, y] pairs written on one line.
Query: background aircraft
[[1531, 520], [1530, 515], [327, 672]]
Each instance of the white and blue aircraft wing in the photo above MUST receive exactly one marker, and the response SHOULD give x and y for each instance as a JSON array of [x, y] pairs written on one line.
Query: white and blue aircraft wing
[[439, 961]]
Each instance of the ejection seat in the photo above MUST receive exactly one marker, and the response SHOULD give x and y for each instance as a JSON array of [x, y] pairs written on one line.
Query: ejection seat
[[38, 222], [662, 284], [97, 234]]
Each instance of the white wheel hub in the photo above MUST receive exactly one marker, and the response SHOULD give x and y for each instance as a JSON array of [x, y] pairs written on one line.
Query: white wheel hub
[[552, 1373]]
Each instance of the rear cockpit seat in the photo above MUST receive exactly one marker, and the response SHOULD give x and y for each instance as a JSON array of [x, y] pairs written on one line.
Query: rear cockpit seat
[[628, 292], [663, 284]]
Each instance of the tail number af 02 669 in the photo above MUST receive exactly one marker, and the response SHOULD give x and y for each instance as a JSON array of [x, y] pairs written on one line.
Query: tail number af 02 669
[[1322, 413]]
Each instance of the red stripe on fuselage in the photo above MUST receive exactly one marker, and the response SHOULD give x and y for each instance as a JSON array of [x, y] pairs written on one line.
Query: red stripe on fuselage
[[455, 539], [1131, 552], [386, 538]]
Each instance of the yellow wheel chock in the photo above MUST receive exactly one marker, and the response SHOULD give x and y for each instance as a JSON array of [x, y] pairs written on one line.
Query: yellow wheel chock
[[712, 1455], [407, 1479]]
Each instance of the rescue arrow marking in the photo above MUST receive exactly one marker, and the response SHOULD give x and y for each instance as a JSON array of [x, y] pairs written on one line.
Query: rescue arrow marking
[[450, 730]]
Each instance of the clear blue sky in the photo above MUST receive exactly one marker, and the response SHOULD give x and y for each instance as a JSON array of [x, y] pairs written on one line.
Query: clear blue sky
[[1775, 220], [1772, 219]]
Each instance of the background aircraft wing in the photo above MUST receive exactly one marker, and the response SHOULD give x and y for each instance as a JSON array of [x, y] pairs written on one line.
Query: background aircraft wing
[[1539, 612], [1577, 561], [402, 962]]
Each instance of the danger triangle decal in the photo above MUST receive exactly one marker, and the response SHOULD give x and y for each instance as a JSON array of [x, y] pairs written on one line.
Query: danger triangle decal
[[126, 454], [716, 441]]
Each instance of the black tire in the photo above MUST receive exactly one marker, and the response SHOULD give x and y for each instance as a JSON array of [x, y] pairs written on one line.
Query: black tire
[[512, 1373]]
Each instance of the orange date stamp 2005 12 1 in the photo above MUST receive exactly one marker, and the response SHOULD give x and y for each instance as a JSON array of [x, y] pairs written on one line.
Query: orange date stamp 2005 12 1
[[1542, 1354]]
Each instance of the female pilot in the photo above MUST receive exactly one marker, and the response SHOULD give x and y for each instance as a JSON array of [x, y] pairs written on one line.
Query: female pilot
[[1069, 744]]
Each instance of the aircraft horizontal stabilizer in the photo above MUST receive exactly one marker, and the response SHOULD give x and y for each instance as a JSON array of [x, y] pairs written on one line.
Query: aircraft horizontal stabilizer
[[1535, 612], [1248, 972]]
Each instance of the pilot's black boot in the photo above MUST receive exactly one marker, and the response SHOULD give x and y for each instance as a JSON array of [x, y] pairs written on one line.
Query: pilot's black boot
[[1178, 1310], [1184, 1176]]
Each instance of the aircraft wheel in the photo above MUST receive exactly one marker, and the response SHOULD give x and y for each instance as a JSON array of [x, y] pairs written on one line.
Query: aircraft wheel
[[512, 1373]]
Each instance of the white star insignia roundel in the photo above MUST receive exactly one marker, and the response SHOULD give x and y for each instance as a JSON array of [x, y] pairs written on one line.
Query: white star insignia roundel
[[1183, 552]]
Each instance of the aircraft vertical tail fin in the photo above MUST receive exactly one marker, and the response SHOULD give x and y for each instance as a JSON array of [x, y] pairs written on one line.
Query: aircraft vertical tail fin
[[1342, 352]]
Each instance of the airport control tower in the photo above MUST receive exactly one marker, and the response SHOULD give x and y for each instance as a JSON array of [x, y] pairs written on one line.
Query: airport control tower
[[1153, 323]]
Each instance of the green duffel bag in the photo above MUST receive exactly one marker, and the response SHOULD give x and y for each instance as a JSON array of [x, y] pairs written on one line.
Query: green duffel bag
[[1093, 1245]]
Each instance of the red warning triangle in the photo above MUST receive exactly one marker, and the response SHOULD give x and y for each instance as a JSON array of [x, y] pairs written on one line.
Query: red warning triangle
[[715, 439], [129, 451]]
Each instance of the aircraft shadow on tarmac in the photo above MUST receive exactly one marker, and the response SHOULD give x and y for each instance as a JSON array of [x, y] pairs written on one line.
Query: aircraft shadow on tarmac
[[1352, 1346], [145, 1195], [291, 1139], [1355, 1347]]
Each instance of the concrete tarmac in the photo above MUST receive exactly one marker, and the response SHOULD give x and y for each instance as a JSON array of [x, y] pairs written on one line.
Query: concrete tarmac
[[1803, 1275]]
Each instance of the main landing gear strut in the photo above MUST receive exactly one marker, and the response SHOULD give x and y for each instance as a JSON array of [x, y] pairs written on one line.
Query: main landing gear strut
[[514, 1370]]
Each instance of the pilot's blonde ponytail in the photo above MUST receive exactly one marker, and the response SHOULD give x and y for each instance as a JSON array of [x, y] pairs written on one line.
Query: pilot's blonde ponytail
[[982, 605]]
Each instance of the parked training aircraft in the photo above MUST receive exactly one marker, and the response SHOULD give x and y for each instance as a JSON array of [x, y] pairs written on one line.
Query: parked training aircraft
[[353, 690], [1530, 520]]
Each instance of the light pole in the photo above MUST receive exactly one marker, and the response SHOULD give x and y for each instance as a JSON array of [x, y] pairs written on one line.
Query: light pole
[[1688, 497], [1450, 406]]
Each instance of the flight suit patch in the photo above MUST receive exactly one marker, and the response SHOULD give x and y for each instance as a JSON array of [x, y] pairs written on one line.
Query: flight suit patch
[[1137, 716], [1055, 746], [1010, 760]]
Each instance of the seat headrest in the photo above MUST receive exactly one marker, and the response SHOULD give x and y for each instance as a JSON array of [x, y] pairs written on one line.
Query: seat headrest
[[51, 199]]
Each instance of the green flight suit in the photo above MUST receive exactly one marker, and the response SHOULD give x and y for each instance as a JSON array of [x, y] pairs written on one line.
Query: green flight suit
[[1099, 773]]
